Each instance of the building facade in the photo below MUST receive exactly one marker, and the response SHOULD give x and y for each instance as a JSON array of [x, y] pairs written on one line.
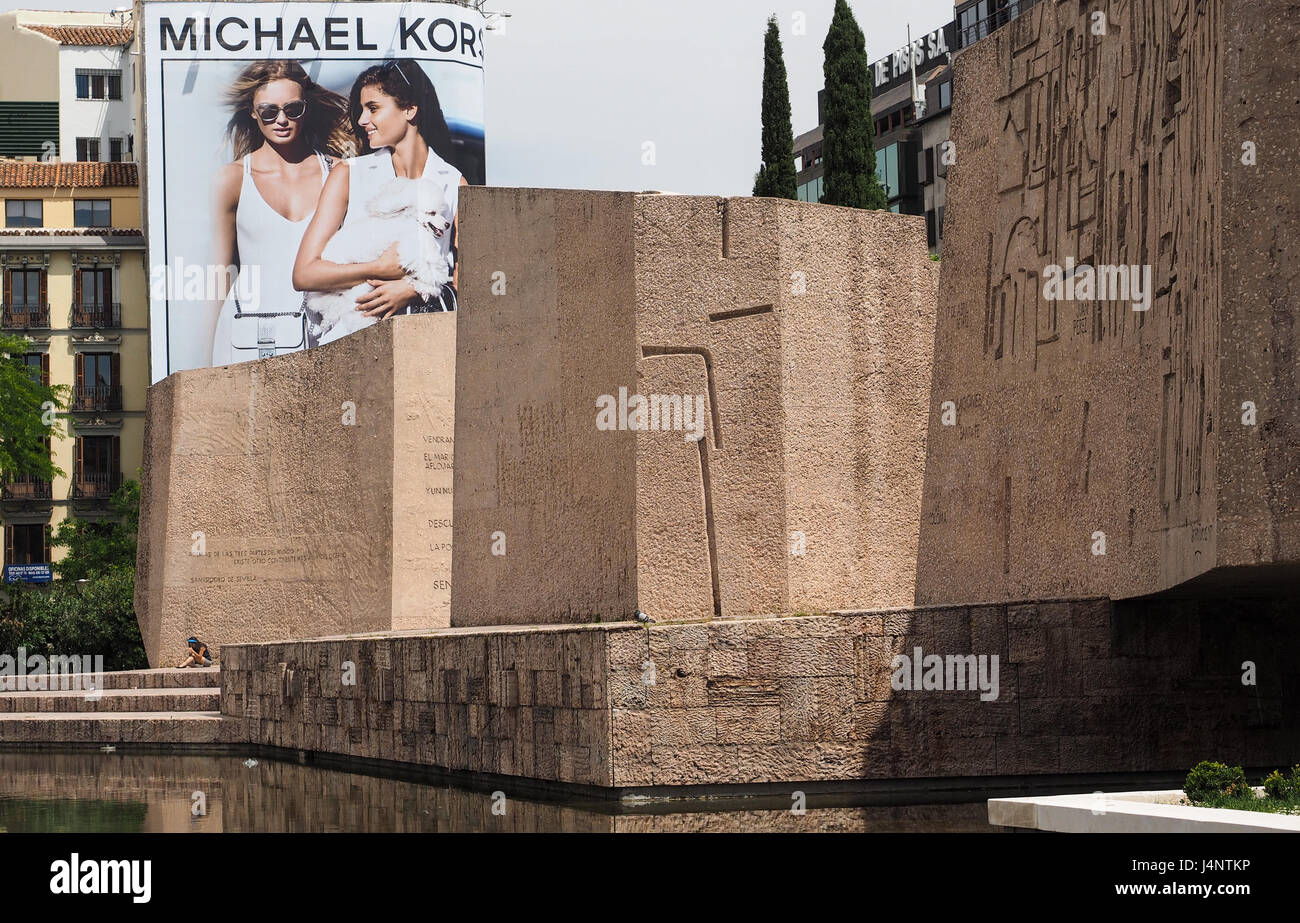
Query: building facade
[[67, 87], [909, 131], [74, 284]]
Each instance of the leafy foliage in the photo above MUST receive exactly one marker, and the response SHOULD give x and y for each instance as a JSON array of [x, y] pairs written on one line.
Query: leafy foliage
[[848, 145], [1209, 780], [91, 608], [776, 177], [96, 547], [26, 420]]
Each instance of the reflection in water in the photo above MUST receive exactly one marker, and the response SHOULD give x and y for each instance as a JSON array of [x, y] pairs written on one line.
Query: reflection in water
[[123, 792]]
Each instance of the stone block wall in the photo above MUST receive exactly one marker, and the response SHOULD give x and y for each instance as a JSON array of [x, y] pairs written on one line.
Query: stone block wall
[[1084, 686]]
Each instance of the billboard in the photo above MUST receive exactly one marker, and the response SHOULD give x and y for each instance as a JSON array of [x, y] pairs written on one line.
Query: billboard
[[303, 163]]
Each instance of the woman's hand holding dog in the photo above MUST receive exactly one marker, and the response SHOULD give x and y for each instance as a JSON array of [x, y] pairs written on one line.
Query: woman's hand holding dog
[[387, 266], [386, 298]]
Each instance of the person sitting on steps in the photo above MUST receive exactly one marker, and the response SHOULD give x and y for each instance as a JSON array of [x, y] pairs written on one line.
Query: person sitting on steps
[[199, 655]]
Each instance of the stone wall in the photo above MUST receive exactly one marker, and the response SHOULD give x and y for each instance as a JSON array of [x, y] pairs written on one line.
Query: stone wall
[[1084, 686], [1085, 416], [802, 332], [303, 495]]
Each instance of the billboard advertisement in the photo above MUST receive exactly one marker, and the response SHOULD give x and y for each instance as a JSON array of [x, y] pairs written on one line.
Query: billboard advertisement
[[304, 162]]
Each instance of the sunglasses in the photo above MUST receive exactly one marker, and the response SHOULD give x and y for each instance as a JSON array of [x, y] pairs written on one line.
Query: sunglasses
[[269, 113], [396, 65]]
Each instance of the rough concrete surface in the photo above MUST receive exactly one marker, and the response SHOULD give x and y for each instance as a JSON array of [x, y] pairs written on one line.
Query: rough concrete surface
[[802, 332], [1077, 417], [303, 495]]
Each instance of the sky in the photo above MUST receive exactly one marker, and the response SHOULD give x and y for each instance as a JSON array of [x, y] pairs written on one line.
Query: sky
[[576, 88]]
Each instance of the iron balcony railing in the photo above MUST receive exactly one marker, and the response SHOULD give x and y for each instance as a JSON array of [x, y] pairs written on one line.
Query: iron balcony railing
[[97, 315], [26, 317], [25, 487], [97, 398], [95, 485]]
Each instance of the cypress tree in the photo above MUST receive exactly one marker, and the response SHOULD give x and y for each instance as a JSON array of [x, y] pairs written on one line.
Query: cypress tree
[[776, 177], [848, 145]]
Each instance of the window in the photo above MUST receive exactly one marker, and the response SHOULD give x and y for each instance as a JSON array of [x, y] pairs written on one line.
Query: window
[[99, 84], [97, 382], [91, 213], [925, 166], [115, 150], [945, 94], [938, 225], [92, 299], [24, 288], [96, 370], [97, 466], [24, 213], [27, 543], [887, 170], [931, 234], [96, 287], [88, 150], [38, 366]]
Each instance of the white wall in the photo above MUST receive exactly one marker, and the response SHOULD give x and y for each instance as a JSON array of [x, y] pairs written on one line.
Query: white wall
[[94, 118]]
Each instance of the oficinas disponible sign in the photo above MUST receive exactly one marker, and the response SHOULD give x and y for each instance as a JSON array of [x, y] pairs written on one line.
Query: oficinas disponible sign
[[332, 33]]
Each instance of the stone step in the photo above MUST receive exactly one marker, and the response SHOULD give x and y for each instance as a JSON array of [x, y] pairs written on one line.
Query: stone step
[[182, 727], [169, 678], [114, 700]]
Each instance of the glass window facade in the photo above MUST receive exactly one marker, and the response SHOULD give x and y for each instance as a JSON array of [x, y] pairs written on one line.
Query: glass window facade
[[811, 191], [887, 169]]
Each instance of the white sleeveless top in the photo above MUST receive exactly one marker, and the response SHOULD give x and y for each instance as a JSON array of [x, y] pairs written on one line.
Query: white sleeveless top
[[268, 244], [371, 172]]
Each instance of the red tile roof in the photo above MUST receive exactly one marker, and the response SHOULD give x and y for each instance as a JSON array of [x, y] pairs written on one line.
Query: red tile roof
[[71, 232], [85, 35], [30, 174]]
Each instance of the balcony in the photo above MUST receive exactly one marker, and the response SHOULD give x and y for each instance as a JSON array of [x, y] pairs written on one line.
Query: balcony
[[97, 315], [25, 487], [95, 485], [26, 317], [96, 398]]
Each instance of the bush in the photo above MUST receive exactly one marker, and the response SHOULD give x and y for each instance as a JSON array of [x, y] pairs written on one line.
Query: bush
[[1279, 786], [1208, 781]]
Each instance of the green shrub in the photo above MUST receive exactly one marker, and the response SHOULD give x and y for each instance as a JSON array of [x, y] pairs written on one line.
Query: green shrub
[[1208, 781], [1281, 787]]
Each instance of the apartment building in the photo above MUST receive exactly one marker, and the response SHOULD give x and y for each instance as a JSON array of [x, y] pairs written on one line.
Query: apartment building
[[74, 284], [67, 86]]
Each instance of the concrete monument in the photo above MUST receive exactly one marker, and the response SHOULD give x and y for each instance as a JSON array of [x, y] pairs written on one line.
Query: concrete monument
[[691, 406], [301, 496]]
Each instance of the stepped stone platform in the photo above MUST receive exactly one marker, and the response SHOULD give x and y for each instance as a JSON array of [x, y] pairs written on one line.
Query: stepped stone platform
[[166, 706]]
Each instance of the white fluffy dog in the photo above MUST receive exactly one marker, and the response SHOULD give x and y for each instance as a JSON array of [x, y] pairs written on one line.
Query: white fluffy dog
[[400, 213]]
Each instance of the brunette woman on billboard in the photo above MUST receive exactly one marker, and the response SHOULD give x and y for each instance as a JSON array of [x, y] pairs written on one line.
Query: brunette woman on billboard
[[401, 132], [287, 131]]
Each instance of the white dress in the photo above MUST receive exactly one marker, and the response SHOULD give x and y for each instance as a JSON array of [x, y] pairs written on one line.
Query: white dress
[[263, 314], [372, 172]]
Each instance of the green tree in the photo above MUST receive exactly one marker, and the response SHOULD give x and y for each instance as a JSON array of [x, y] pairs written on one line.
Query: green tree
[[96, 547], [776, 177], [848, 143], [27, 410], [91, 608]]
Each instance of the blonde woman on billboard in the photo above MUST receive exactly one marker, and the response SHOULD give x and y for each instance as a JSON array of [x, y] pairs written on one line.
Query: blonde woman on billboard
[[286, 131], [402, 133]]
